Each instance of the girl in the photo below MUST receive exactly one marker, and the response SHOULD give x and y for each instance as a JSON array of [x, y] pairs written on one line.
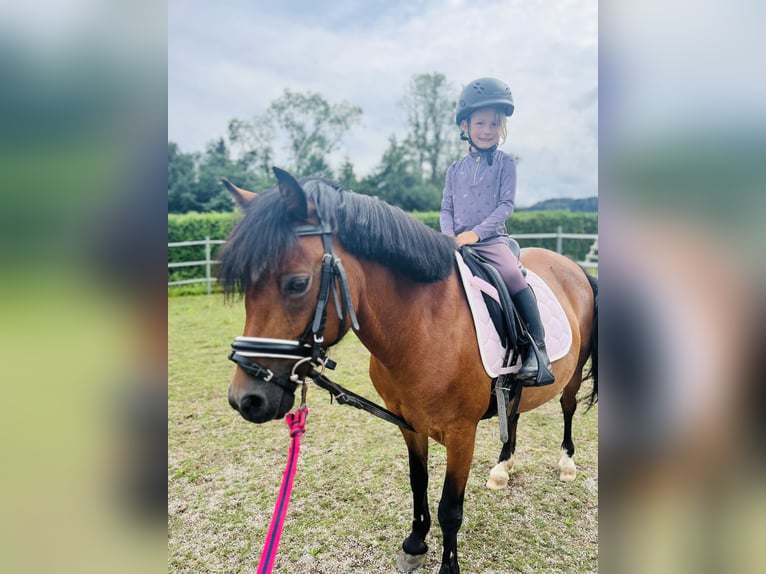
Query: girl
[[479, 195]]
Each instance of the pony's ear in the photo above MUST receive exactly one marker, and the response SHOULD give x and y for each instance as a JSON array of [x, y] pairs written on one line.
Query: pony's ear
[[241, 196], [292, 194]]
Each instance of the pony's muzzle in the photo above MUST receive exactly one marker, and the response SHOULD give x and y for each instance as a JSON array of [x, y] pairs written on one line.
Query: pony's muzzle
[[259, 401], [253, 406]]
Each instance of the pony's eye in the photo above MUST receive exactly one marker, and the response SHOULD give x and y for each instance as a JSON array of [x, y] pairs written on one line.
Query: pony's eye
[[295, 284]]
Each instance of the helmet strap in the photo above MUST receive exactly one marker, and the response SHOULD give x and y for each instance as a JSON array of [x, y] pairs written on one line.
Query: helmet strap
[[489, 153]]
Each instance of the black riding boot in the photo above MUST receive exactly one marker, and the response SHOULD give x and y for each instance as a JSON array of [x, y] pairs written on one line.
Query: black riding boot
[[531, 373]]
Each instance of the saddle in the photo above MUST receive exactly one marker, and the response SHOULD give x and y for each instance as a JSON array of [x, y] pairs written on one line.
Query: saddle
[[513, 334]]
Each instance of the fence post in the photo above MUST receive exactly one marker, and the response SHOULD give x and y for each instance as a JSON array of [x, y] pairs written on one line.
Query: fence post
[[559, 239], [207, 263]]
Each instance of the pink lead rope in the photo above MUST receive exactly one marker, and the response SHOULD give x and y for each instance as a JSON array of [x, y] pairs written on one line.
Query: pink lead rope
[[297, 423]]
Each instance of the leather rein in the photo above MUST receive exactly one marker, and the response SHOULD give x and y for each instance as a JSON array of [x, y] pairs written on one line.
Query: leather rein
[[308, 348]]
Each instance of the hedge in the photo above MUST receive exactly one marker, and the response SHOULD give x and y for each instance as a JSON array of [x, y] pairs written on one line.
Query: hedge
[[197, 226]]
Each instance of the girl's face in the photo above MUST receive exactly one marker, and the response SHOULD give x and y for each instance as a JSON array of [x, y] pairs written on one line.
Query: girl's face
[[484, 128]]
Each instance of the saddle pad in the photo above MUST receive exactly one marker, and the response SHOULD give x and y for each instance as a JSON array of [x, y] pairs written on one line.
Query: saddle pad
[[558, 333]]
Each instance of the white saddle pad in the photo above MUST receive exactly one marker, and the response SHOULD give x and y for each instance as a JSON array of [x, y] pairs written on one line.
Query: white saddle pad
[[558, 333]]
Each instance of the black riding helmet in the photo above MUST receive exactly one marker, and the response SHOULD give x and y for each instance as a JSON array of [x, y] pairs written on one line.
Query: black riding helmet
[[483, 93]]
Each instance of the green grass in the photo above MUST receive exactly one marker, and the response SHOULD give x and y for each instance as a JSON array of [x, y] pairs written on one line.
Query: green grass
[[351, 505]]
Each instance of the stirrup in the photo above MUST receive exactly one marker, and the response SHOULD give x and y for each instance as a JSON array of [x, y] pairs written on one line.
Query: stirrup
[[536, 378]]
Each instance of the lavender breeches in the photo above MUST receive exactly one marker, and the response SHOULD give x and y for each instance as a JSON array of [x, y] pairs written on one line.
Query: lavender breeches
[[501, 256]]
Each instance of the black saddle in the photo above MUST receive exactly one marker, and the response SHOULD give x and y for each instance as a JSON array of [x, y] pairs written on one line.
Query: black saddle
[[506, 320]]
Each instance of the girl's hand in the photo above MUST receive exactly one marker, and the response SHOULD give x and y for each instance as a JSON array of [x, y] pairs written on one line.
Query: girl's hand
[[466, 238]]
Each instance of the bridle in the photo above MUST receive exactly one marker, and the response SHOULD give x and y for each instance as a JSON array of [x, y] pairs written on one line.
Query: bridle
[[308, 348]]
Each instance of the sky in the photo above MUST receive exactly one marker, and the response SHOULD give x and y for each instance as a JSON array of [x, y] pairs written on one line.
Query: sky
[[230, 59]]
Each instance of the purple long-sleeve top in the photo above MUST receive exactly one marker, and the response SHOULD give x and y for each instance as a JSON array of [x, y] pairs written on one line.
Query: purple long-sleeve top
[[479, 197]]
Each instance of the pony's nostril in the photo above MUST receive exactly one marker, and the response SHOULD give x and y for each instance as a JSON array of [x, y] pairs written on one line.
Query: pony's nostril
[[251, 406]]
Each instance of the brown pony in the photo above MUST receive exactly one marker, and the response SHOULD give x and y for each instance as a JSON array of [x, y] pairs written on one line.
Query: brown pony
[[397, 287]]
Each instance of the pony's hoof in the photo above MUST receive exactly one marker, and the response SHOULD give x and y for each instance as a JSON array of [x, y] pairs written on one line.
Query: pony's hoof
[[409, 562], [567, 469], [498, 476], [497, 480]]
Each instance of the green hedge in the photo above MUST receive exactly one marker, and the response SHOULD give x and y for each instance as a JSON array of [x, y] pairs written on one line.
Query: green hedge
[[197, 226]]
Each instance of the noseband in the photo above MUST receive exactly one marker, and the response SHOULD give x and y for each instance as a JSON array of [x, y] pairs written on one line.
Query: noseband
[[308, 348]]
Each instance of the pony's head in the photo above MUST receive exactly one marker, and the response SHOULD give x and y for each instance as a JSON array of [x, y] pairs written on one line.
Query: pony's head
[[284, 257], [275, 258]]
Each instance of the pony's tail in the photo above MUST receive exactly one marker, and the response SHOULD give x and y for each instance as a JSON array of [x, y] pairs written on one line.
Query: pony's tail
[[593, 371]]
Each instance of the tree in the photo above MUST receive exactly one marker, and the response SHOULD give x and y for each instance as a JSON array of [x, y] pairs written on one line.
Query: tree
[[314, 128], [346, 175], [311, 128], [194, 180], [432, 137], [397, 180], [215, 164], [181, 179], [252, 142]]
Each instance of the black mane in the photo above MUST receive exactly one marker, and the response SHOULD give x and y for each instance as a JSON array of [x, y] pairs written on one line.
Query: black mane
[[365, 226]]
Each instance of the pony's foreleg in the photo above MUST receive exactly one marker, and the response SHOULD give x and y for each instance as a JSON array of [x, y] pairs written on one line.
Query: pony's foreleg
[[567, 469], [500, 473], [460, 447], [414, 547]]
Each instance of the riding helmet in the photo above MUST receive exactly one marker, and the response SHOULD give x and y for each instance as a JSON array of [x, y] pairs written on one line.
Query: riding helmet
[[483, 93]]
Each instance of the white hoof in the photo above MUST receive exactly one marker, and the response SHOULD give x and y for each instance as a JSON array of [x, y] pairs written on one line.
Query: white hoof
[[409, 562], [567, 469], [498, 479], [499, 475]]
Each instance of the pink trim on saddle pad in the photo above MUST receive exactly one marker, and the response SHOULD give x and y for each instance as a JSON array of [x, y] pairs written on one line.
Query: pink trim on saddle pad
[[558, 333]]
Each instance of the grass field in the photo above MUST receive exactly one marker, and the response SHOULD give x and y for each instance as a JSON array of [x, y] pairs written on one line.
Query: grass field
[[351, 506]]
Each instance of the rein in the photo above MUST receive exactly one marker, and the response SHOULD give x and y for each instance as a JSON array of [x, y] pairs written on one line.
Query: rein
[[308, 349], [346, 397]]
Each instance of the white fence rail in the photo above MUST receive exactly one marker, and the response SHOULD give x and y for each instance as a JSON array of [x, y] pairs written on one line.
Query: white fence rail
[[591, 259]]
